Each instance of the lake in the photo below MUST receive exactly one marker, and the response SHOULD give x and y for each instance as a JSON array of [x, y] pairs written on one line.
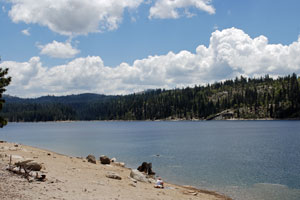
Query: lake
[[246, 160]]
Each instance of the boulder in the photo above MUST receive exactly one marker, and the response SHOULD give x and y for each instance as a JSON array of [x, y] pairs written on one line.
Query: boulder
[[113, 160], [91, 159], [146, 168], [113, 175], [104, 160], [139, 176]]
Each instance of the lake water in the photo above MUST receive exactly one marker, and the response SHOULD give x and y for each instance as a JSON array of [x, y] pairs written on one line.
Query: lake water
[[246, 160]]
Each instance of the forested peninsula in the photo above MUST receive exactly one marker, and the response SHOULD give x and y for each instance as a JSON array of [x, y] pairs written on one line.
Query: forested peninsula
[[242, 98]]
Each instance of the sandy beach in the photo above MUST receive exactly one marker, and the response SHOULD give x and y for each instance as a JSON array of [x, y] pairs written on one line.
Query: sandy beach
[[75, 178]]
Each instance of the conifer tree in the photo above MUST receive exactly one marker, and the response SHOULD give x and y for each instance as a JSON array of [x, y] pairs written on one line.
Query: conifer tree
[[4, 81]]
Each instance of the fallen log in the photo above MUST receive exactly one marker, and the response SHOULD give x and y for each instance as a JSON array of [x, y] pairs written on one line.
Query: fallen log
[[29, 169]]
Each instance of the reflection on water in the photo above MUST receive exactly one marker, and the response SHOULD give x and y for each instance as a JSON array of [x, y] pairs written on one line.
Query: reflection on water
[[248, 160]]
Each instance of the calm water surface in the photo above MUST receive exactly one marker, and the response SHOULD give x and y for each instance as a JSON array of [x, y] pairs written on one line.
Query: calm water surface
[[247, 160]]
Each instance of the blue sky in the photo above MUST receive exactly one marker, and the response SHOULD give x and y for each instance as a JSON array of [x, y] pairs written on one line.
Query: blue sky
[[121, 46]]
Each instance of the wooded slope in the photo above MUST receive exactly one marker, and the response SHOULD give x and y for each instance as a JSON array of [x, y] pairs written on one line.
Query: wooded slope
[[240, 98]]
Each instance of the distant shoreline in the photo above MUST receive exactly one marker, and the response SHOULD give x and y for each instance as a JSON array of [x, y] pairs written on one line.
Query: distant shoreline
[[163, 120]]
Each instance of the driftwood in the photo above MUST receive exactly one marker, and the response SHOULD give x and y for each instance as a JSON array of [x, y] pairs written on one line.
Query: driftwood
[[27, 171]]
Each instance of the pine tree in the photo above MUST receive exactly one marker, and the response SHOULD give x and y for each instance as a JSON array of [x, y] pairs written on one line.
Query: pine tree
[[4, 81]]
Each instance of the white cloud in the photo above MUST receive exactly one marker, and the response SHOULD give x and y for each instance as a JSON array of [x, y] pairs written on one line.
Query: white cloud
[[24, 74], [3, 9], [58, 50], [231, 53], [173, 8], [72, 17], [26, 32], [78, 17]]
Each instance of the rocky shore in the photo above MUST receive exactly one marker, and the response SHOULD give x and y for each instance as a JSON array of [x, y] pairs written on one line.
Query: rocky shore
[[69, 178]]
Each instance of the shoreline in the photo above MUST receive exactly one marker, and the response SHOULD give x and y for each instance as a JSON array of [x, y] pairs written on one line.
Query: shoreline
[[161, 120], [74, 178]]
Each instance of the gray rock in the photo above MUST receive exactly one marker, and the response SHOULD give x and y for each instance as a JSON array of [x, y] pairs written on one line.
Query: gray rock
[[113, 175], [91, 159], [151, 180], [120, 164], [104, 160], [133, 180], [139, 176]]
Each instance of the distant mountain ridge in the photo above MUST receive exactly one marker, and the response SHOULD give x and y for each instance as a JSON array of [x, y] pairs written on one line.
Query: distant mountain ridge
[[241, 98], [58, 99]]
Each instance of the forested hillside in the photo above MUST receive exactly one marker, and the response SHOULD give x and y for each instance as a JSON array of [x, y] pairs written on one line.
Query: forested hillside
[[243, 98]]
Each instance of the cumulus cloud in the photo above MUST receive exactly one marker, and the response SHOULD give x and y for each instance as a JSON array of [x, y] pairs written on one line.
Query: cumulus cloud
[[72, 17], [77, 17], [175, 8], [58, 50], [26, 32], [231, 53]]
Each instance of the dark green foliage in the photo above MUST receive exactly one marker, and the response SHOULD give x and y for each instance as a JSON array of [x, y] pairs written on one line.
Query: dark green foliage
[[244, 98], [4, 81]]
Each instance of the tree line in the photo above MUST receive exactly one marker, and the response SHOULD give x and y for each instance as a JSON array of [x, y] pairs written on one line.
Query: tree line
[[245, 98]]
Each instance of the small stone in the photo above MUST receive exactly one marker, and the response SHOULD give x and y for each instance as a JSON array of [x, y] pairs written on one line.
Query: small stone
[[113, 175], [104, 160], [121, 164], [132, 184], [91, 159]]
